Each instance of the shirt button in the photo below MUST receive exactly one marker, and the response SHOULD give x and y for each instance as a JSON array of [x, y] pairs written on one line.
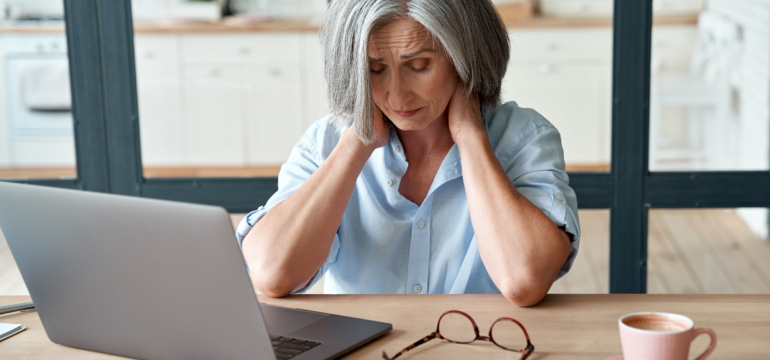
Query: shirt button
[[420, 224], [417, 288], [389, 182], [559, 197], [398, 149]]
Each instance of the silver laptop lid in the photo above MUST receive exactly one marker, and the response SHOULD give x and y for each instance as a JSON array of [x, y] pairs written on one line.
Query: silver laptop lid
[[134, 277]]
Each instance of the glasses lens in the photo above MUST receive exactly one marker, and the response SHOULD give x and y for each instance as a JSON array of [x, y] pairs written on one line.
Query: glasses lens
[[509, 335], [456, 327]]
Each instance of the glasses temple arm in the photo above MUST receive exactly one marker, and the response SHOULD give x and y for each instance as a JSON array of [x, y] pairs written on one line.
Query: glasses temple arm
[[410, 347]]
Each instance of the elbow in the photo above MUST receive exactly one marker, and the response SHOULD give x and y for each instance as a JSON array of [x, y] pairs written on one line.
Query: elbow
[[524, 294], [271, 285]]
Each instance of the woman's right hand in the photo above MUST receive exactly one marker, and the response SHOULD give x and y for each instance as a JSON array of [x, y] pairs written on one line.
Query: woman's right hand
[[381, 132], [381, 128]]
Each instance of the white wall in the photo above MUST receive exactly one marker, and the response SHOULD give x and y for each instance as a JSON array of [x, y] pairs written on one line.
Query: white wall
[[754, 83]]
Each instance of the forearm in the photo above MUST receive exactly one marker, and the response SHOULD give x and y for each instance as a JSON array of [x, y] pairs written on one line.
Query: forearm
[[520, 246], [287, 246]]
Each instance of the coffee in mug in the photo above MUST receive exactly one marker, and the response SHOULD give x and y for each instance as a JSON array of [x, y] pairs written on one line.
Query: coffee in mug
[[660, 336], [655, 322]]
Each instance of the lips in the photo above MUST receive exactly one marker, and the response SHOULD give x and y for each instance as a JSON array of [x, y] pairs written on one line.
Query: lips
[[408, 113]]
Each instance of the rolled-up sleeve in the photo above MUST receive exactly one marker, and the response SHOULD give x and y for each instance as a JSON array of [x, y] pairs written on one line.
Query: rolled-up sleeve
[[303, 161], [535, 165]]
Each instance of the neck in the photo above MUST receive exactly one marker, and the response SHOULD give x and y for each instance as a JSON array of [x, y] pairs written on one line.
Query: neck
[[434, 139]]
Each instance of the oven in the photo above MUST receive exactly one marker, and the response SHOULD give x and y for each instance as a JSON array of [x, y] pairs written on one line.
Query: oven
[[37, 86]]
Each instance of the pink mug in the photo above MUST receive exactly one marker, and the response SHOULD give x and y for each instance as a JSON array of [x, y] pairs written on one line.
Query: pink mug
[[660, 336]]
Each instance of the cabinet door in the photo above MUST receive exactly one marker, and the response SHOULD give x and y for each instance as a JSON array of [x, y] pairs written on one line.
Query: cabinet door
[[574, 98], [315, 83], [240, 48], [158, 88], [42, 151], [213, 115], [274, 120], [575, 44]]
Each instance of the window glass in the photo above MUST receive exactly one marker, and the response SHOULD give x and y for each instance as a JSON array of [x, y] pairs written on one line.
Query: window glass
[[36, 136], [708, 251], [590, 271], [710, 86]]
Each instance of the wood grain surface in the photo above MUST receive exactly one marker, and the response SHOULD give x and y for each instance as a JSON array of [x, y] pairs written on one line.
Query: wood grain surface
[[561, 327]]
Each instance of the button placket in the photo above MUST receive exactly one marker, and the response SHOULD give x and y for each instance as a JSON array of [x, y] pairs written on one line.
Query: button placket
[[419, 250]]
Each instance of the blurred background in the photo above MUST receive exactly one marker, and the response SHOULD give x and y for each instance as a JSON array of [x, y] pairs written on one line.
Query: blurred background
[[226, 88]]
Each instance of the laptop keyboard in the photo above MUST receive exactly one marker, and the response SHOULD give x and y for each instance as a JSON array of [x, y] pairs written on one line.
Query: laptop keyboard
[[287, 348]]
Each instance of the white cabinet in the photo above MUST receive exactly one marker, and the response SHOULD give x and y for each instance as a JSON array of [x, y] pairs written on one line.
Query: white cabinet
[[212, 109], [317, 104], [42, 151], [242, 98], [274, 112], [577, 8], [574, 98], [240, 48], [566, 75], [158, 89]]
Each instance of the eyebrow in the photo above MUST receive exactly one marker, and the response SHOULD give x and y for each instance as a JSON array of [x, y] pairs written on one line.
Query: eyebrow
[[404, 57]]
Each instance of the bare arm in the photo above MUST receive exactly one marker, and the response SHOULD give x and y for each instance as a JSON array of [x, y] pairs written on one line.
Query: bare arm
[[522, 249], [291, 242]]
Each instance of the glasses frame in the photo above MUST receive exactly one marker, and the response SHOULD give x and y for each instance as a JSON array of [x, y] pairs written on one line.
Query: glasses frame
[[527, 351]]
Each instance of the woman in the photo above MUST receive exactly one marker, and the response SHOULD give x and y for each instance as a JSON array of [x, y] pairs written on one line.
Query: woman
[[420, 181]]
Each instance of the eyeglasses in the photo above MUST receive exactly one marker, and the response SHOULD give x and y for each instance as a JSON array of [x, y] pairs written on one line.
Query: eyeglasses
[[459, 328]]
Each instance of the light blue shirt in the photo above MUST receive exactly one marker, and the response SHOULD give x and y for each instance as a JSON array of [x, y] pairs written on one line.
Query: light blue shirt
[[387, 244]]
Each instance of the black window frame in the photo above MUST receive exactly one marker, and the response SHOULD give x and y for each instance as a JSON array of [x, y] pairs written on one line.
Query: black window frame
[[106, 128]]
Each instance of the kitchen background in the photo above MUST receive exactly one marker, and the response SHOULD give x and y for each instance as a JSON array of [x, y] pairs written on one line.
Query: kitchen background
[[227, 88]]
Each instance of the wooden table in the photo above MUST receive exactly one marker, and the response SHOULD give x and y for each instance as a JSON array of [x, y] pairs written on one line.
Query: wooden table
[[561, 327]]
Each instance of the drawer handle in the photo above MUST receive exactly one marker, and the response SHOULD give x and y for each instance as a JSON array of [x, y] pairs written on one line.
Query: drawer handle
[[579, 7], [240, 50], [551, 46], [275, 72], [213, 72], [547, 68]]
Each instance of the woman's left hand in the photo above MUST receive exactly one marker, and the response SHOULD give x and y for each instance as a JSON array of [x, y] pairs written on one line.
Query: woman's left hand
[[464, 114]]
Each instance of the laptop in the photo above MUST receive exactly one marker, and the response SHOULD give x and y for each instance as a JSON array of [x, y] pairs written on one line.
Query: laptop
[[154, 279]]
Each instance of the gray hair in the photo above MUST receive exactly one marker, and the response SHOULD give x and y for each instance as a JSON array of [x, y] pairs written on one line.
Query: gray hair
[[470, 32]]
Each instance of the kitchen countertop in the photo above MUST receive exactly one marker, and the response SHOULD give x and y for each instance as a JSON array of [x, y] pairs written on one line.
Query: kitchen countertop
[[226, 26]]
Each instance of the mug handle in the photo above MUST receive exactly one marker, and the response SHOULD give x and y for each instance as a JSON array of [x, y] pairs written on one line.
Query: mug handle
[[711, 346]]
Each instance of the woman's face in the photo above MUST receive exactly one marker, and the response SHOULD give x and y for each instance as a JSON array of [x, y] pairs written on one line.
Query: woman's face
[[412, 80]]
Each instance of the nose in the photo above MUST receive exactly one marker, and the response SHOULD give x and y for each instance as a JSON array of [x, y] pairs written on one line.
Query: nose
[[400, 92]]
